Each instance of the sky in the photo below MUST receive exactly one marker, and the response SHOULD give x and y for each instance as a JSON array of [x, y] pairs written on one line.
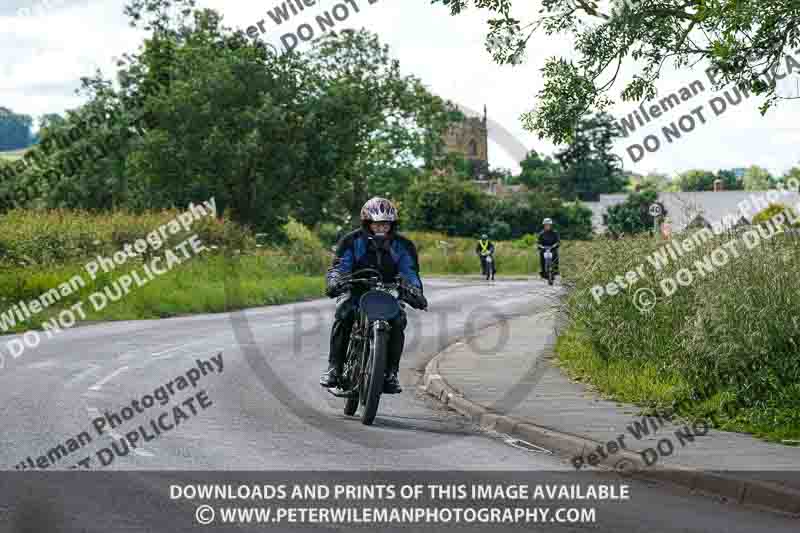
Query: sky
[[47, 45]]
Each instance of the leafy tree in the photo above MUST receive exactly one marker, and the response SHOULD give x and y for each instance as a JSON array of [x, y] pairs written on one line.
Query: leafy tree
[[389, 118], [499, 231], [628, 41], [447, 204], [793, 172], [456, 165], [589, 168], [632, 216], [49, 120], [697, 180], [540, 174], [223, 117], [502, 175], [574, 221], [392, 182], [524, 216], [729, 180], [757, 179], [655, 181], [15, 130]]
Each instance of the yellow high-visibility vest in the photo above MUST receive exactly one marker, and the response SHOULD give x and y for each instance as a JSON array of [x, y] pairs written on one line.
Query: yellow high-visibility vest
[[484, 246]]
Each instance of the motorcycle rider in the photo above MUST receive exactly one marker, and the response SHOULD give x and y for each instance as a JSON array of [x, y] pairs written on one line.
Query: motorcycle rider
[[375, 245], [485, 248], [548, 237]]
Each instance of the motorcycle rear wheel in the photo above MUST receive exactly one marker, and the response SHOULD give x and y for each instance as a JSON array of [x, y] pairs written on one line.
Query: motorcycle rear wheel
[[354, 355]]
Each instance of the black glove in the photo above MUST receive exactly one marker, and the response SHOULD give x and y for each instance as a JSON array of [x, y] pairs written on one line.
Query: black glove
[[335, 288], [415, 298]]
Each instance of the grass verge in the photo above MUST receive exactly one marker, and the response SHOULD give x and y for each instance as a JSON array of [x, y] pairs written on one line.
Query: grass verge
[[724, 347], [203, 284]]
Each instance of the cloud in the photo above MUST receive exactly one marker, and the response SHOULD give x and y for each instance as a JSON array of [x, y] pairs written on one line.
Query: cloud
[[44, 55]]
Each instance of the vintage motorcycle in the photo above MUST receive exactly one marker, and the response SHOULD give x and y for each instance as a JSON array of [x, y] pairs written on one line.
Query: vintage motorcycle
[[361, 381], [548, 262], [489, 269]]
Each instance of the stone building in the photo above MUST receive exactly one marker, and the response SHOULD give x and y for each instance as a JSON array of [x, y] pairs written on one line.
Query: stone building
[[470, 139]]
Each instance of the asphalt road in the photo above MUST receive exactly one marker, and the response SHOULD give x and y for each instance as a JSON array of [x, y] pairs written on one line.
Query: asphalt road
[[259, 407]]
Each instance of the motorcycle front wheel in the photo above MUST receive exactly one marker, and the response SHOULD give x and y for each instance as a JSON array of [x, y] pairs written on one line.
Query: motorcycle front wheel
[[376, 367]]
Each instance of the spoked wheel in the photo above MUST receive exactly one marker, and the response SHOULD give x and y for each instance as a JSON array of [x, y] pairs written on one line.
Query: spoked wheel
[[550, 276], [353, 374], [374, 375]]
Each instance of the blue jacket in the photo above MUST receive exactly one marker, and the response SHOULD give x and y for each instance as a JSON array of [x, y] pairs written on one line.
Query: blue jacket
[[352, 254]]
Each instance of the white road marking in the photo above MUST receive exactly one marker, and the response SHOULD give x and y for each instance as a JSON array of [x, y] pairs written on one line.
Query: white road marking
[[178, 347], [93, 412], [127, 356], [93, 368], [44, 364], [99, 384]]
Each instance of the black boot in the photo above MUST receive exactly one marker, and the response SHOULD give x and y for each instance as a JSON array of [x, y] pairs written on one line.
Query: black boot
[[391, 384], [340, 335], [330, 378]]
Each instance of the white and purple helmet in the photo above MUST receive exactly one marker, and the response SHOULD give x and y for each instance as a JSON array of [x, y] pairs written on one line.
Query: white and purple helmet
[[378, 210]]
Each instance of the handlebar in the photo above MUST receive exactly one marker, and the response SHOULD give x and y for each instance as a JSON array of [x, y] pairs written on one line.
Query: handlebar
[[372, 280], [400, 286]]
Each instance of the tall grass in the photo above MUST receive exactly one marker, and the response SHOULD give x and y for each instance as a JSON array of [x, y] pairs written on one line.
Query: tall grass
[[59, 236], [726, 345], [457, 256], [39, 250]]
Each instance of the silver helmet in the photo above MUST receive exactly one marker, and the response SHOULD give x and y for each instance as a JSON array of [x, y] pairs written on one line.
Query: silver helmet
[[378, 210]]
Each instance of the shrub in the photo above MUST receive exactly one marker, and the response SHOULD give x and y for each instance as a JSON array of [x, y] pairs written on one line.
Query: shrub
[[633, 215], [499, 231], [772, 210], [58, 236], [328, 233], [574, 221], [305, 249], [526, 242]]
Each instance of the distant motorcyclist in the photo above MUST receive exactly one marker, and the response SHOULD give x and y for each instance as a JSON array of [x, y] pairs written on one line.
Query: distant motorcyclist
[[484, 249], [375, 245], [548, 237]]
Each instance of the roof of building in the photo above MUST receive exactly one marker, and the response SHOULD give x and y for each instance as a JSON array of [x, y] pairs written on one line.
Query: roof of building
[[684, 208]]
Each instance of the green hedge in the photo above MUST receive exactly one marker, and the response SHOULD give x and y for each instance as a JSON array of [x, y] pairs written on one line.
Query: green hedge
[[58, 236]]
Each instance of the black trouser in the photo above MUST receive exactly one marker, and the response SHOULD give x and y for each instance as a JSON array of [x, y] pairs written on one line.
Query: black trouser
[[340, 336], [554, 266]]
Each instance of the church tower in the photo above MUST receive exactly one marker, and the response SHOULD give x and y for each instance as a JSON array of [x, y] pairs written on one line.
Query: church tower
[[470, 140]]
